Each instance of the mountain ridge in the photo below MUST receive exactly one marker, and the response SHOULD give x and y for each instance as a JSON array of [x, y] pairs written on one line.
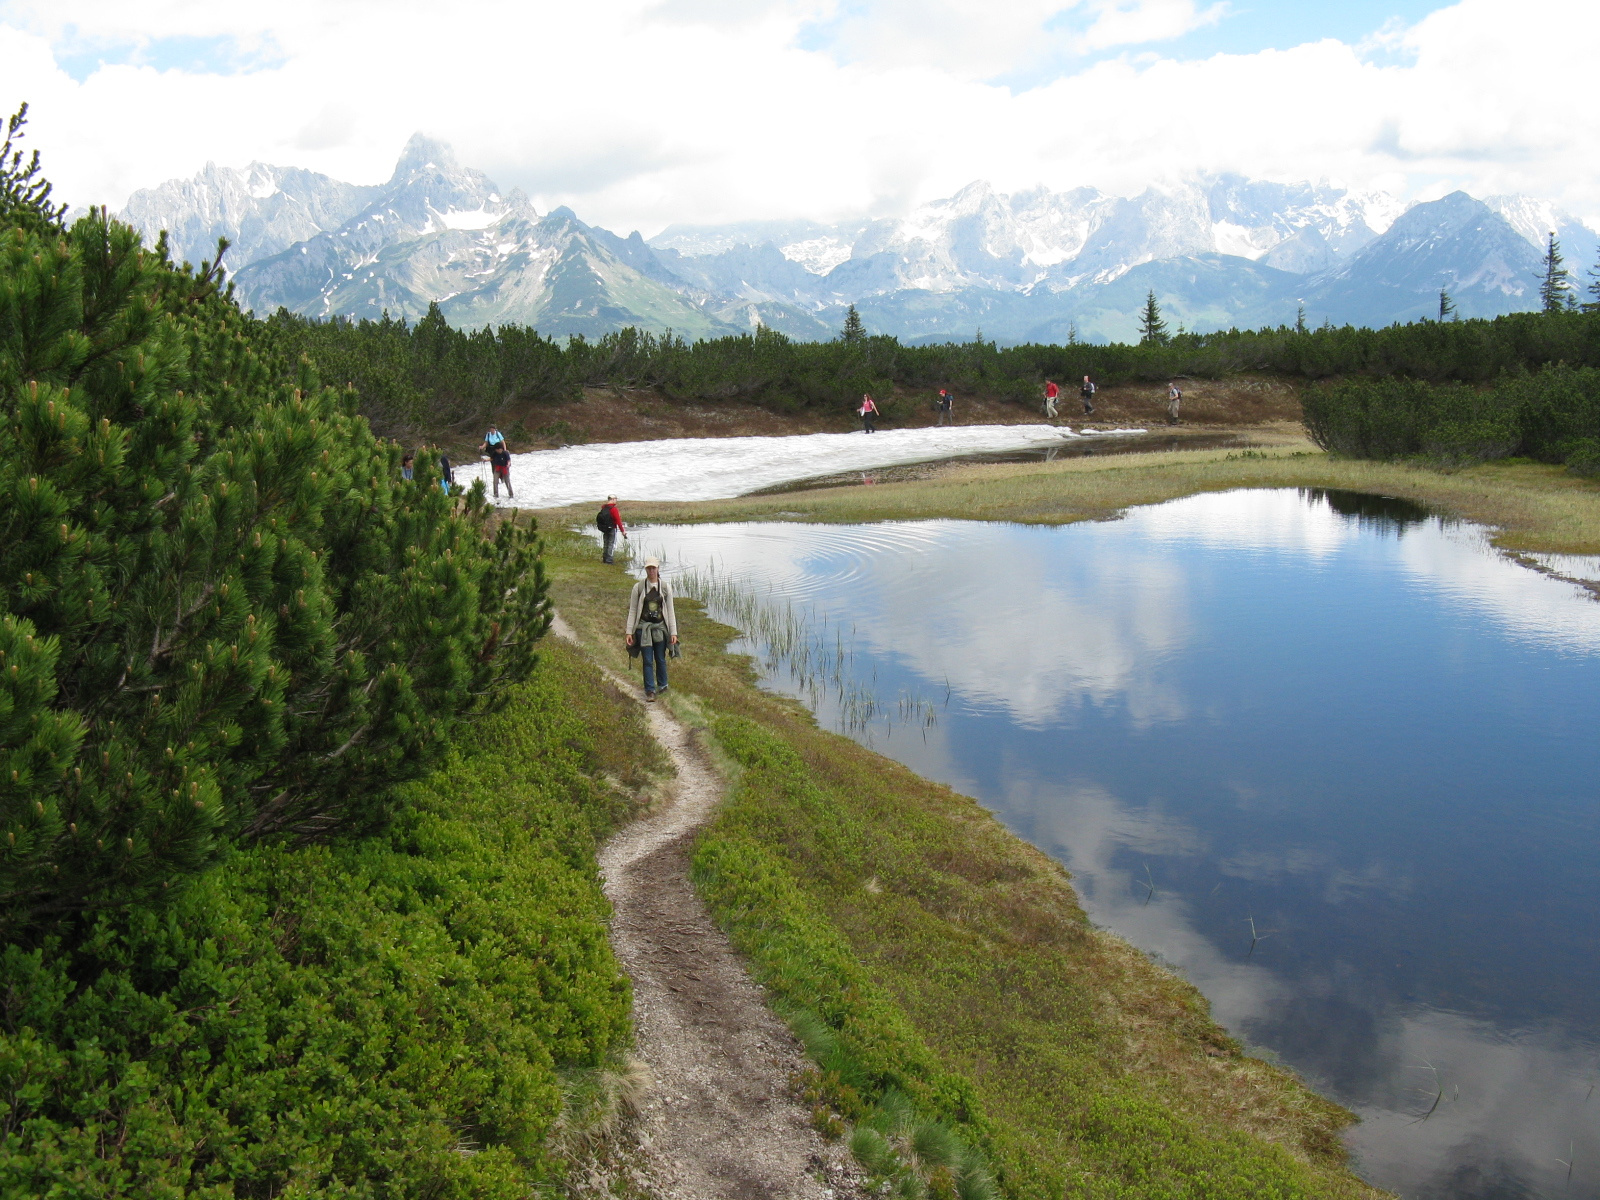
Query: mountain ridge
[[1220, 250]]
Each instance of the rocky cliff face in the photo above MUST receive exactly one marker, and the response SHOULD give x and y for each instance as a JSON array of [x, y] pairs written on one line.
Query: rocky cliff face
[[1218, 251]]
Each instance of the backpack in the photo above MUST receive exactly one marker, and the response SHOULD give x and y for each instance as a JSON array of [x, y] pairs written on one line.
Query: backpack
[[604, 521]]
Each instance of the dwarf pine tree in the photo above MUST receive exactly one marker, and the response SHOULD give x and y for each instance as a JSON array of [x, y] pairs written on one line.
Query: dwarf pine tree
[[223, 613], [24, 191]]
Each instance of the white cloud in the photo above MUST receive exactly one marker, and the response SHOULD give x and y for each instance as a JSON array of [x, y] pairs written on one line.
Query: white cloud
[[638, 113]]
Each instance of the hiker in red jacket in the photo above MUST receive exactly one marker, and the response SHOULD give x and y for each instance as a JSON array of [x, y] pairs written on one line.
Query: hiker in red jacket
[[609, 521], [1051, 391]]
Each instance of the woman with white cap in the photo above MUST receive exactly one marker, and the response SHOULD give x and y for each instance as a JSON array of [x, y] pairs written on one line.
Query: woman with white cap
[[652, 626]]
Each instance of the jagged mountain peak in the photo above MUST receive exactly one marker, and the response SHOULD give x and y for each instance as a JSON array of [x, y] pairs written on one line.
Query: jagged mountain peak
[[1221, 249], [423, 153]]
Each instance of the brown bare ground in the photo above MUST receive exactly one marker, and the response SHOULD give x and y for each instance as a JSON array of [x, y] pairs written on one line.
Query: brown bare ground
[[639, 414]]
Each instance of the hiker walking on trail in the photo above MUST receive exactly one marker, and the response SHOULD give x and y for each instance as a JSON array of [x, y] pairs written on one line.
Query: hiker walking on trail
[[652, 626], [609, 522], [945, 404], [1051, 391], [499, 452], [447, 474], [1174, 399], [868, 413], [1087, 391]]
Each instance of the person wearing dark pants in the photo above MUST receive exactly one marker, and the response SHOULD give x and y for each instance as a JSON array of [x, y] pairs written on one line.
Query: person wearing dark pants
[[868, 413], [652, 626], [609, 522]]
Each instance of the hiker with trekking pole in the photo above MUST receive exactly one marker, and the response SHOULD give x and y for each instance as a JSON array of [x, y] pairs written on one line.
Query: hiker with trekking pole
[[1051, 391], [499, 452], [652, 627], [609, 522]]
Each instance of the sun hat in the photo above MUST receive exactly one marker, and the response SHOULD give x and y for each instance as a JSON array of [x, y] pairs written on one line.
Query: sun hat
[[653, 562], [610, 498]]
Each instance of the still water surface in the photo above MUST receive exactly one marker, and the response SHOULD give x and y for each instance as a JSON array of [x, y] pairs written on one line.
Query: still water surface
[[1332, 719]]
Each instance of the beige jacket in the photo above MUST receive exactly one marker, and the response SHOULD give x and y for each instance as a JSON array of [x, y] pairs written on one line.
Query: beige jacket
[[636, 603]]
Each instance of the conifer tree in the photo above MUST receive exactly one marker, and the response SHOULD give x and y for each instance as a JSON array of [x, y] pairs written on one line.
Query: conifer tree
[[1593, 289], [1300, 320], [853, 333], [1555, 287], [24, 191], [1447, 306], [223, 614], [1152, 329]]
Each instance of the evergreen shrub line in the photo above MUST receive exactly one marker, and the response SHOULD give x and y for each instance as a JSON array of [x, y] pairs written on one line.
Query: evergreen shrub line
[[1551, 415], [428, 377], [389, 1016]]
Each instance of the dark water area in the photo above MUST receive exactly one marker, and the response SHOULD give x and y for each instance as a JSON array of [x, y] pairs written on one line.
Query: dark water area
[[1333, 720]]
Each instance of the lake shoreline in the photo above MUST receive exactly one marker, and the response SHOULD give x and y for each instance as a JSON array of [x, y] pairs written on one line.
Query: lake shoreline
[[1532, 507], [898, 912]]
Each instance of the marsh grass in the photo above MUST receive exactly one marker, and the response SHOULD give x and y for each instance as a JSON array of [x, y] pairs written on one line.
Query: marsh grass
[[804, 647]]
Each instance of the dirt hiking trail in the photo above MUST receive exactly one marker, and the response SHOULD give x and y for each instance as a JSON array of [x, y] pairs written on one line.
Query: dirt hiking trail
[[719, 1121]]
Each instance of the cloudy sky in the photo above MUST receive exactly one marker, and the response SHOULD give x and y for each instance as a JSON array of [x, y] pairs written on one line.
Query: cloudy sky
[[639, 113]]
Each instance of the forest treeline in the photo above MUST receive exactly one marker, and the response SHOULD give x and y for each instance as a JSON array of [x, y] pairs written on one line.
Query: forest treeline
[[427, 378]]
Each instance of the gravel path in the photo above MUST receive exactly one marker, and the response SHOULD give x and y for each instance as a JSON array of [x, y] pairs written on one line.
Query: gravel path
[[719, 1121]]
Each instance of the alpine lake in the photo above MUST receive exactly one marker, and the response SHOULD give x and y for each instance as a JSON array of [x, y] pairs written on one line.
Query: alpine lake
[[1332, 758]]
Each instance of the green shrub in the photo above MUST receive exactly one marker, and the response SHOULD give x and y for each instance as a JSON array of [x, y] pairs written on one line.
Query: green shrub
[[223, 614], [384, 1017]]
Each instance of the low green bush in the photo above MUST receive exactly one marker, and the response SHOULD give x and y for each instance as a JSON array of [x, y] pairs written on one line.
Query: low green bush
[[1548, 415], [383, 1017]]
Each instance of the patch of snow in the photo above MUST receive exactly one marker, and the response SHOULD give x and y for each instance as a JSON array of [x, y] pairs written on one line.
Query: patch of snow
[[1237, 240], [262, 189], [470, 218], [720, 468], [817, 255]]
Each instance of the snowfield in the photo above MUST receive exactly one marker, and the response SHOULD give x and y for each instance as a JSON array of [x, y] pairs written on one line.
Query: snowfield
[[719, 468]]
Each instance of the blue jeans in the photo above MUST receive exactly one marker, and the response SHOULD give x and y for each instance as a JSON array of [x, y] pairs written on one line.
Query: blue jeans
[[655, 665]]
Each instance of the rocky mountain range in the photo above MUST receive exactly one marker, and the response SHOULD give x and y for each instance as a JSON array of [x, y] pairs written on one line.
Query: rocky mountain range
[[1218, 251]]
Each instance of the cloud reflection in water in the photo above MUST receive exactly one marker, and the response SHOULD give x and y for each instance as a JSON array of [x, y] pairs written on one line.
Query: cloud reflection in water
[[1371, 734]]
